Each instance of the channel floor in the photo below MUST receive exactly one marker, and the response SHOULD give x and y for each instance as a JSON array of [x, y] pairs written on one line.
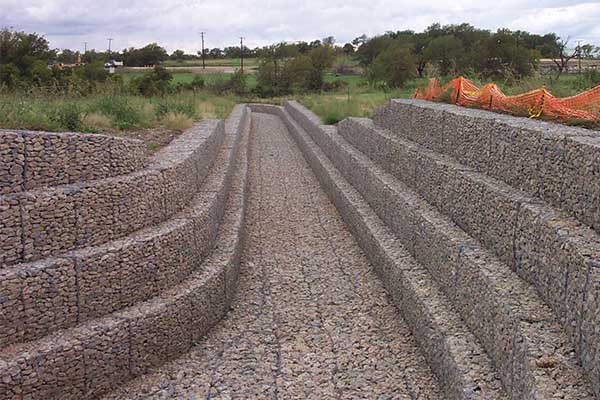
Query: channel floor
[[310, 319]]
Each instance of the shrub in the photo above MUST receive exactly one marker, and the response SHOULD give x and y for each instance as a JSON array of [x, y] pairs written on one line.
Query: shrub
[[93, 72], [589, 79], [124, 116], [196, 84], [154, 83], [9, 75], [39, 73], [68, 117], [236, 84], [177, 121]]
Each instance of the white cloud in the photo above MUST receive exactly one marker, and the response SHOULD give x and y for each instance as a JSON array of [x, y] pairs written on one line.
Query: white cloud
[[175, 24]]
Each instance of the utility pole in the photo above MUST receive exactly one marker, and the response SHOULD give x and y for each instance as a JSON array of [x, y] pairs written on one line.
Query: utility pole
[[579, 54], [203, 61], [109, 43], [85, 47], [242, 53]]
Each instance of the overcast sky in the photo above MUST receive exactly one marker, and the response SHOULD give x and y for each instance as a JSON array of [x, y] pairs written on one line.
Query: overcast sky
[[176, 23]]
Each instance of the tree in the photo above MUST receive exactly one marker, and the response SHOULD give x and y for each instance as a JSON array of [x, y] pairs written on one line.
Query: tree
[[370, 49], [589, 51], [561, 56], [178, 55], [315, 43], [232, 52], [362, 39], [445, 52], [283, 66], [393, 66], [504, 57], [348, 49], [67, 56], [303, 47], [151, 54], [321, 58], [274, 76], [25, 51], [214, 53], [420, 43], [329, 41], [93, 55]]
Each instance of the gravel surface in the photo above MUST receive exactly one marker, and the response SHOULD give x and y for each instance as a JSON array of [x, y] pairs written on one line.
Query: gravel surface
[[311, 320]]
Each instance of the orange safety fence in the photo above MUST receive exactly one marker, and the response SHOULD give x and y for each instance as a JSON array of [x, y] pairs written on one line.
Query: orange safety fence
[[536, 103]]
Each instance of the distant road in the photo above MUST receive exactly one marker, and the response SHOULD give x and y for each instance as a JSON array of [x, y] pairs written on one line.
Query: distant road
[[199, 70]]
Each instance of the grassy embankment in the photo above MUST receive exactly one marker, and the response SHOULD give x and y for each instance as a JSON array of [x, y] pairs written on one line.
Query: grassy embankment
[[117, 113], [110, 113]]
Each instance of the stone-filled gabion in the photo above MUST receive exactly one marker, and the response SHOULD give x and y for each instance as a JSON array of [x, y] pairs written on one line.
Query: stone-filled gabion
[[32, 159], [137, 301], [451, 350], [550, 250], [12, 162], [560, 164], [503, 311], [84, 284], [73, 216]]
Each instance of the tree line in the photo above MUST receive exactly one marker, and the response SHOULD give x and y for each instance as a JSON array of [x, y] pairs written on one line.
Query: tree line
[[388, 59], [462, 49]]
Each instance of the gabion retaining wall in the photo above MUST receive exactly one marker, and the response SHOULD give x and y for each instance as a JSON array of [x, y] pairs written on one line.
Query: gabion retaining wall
[[552, 165], [491, 301], [556, 163], [32, 159], [38, 223], [75, 325]]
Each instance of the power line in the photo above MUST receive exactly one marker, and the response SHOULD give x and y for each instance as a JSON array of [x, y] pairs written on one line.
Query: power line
[[579, 54], [203, 60], [242, 53]]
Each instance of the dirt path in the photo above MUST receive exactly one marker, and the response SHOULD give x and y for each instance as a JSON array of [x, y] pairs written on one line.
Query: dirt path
[[310, 320]]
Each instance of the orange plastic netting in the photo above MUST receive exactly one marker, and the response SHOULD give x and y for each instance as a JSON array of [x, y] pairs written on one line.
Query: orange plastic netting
[[536, 103]]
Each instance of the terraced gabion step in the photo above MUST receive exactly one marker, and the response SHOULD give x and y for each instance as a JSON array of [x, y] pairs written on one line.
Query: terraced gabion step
[[42, 297], [557, 163], [552, 251], [46, 222], [519, 332], [32, 159], [454, 354], [90, 359]]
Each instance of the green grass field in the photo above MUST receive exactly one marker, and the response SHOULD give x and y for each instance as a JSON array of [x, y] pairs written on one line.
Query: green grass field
[[224, 62]]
